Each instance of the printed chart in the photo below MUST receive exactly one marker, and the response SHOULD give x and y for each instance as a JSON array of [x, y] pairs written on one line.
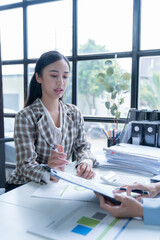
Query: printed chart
[[79, 221]]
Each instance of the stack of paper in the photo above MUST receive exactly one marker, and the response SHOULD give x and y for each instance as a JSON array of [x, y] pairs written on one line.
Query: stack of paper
[[136, 158]]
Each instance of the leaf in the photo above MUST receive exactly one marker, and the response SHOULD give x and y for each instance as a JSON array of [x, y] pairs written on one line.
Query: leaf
[[121, 101], [110, 71], [113, 96], [109, 88], [124, 86], [101, 78], [114, 106], [113, 109], [126, 76], [107, 105], [113, 112], [101, 75], [105, 83], [108, 62], [117, 114]]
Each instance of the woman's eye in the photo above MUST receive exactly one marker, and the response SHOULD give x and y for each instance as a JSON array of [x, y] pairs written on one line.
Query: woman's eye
[[54, 76]]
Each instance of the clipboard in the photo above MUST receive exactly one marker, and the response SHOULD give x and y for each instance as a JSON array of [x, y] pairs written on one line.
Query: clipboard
[[106, 191]]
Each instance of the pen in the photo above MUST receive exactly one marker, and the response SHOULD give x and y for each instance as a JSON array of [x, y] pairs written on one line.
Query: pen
[[109, 134], [105, 132], [135, 190], [55, 149]]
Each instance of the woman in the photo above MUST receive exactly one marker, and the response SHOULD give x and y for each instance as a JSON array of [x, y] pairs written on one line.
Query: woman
[[145, 206], [47, 124]]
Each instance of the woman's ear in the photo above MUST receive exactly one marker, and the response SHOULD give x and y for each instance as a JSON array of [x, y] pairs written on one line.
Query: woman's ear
[[38, 78]]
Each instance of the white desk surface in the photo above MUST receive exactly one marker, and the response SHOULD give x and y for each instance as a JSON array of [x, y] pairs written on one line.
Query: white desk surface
[[19, 210]]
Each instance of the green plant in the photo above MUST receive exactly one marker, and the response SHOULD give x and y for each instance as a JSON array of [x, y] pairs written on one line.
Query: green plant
[[116, 83]]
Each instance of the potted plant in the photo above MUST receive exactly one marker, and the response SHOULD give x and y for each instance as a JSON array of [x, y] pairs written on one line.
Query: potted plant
[[116, 83]]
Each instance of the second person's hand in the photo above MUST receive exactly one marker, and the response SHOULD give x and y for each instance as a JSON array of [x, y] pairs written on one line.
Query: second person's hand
[[150, 188], [129, 206]]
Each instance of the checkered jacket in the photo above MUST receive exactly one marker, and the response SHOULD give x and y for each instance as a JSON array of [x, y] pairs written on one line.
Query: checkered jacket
[[34, 141]]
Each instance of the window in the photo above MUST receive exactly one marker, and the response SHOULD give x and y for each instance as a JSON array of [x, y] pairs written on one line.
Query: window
[[149, 79], [92, 94], [13, 90], [107, 23], [11, 23], [54, 31], [150, 35], [92, 34]]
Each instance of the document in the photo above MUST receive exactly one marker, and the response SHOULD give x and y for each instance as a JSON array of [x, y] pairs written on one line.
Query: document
[[83, 220], [105, 190], [65, 191]]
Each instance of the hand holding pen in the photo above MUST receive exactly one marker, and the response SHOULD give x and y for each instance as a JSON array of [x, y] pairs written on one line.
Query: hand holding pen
[[57, 159], [145, 190], [134, 190]]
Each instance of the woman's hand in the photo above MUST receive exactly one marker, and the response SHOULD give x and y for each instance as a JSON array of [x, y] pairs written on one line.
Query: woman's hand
[[85, 170], [57, 160], [129, 206]]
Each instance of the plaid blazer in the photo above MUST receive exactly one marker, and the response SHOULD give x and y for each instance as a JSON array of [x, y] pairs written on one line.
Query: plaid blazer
[[34, 141]]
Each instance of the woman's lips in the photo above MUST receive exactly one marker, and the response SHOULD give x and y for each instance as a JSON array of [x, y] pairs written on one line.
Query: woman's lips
[[58, 90]]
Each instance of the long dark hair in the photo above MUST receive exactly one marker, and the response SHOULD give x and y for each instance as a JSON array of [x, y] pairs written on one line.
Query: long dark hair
[[45, 59]]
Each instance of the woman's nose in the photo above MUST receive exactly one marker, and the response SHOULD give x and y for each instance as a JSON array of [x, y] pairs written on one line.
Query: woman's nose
[[60, 80]]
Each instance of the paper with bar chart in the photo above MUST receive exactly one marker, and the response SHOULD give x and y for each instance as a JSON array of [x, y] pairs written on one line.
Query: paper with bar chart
[[83, 220], [76, 221]]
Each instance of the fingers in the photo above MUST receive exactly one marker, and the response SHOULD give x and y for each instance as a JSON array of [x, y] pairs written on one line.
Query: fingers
[[138, 186], [54, 179], [109, 208], [57, 163], [58, 154], [60, 148], [85, 170], [57, 159], [119, 197]]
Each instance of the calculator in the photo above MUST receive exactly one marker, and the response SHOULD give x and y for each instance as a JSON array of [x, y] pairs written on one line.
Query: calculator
[[115, 179]]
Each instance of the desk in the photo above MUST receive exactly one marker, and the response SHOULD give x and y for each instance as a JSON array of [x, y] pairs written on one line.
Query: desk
[[19, 211]]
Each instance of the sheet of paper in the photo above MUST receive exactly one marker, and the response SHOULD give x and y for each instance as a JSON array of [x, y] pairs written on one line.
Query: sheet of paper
[[88, 221], [95, 186], [65, 190]]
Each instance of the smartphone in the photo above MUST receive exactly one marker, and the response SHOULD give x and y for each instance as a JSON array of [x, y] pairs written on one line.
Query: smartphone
[[115, 179]]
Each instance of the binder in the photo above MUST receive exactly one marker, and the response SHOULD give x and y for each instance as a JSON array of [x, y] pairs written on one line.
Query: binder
[[137, 133], [158, 135], [150, 134], [152, 115]]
